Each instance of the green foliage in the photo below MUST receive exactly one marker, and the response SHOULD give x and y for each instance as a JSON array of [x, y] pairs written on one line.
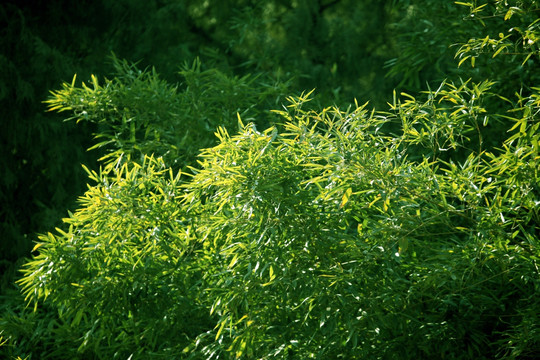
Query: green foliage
[[518, 36], [423, 32], [498, 39], [124, 260], [463, 41], [315, 232], [327, 241], [138, 113], [318, 237], [319, 44]]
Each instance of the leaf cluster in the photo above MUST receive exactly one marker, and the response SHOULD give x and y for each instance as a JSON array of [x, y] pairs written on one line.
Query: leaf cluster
[[138, 113], [331, 232], [320, 236], [126, 258]]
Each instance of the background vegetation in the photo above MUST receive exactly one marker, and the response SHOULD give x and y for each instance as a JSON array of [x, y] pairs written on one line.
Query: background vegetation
[[231, 212]]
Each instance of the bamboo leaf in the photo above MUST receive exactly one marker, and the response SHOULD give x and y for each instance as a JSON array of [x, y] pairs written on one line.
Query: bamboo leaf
[[346, 197]]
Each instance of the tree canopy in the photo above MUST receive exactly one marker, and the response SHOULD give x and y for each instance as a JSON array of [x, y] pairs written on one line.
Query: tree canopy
[[281, 179]]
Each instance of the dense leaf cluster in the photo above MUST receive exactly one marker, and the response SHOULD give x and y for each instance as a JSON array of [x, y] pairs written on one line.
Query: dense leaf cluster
[[315, 238], [314, 44], [137, 113], [215, 229]]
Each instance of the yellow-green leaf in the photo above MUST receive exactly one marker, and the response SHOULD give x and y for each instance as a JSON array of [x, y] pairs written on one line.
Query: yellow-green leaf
[[272, 275], [386, 204], [38, 245], [499, 51], [233, 261], [463, 60], [220, 329], [346, 197], [240, 123], [94, 82]]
